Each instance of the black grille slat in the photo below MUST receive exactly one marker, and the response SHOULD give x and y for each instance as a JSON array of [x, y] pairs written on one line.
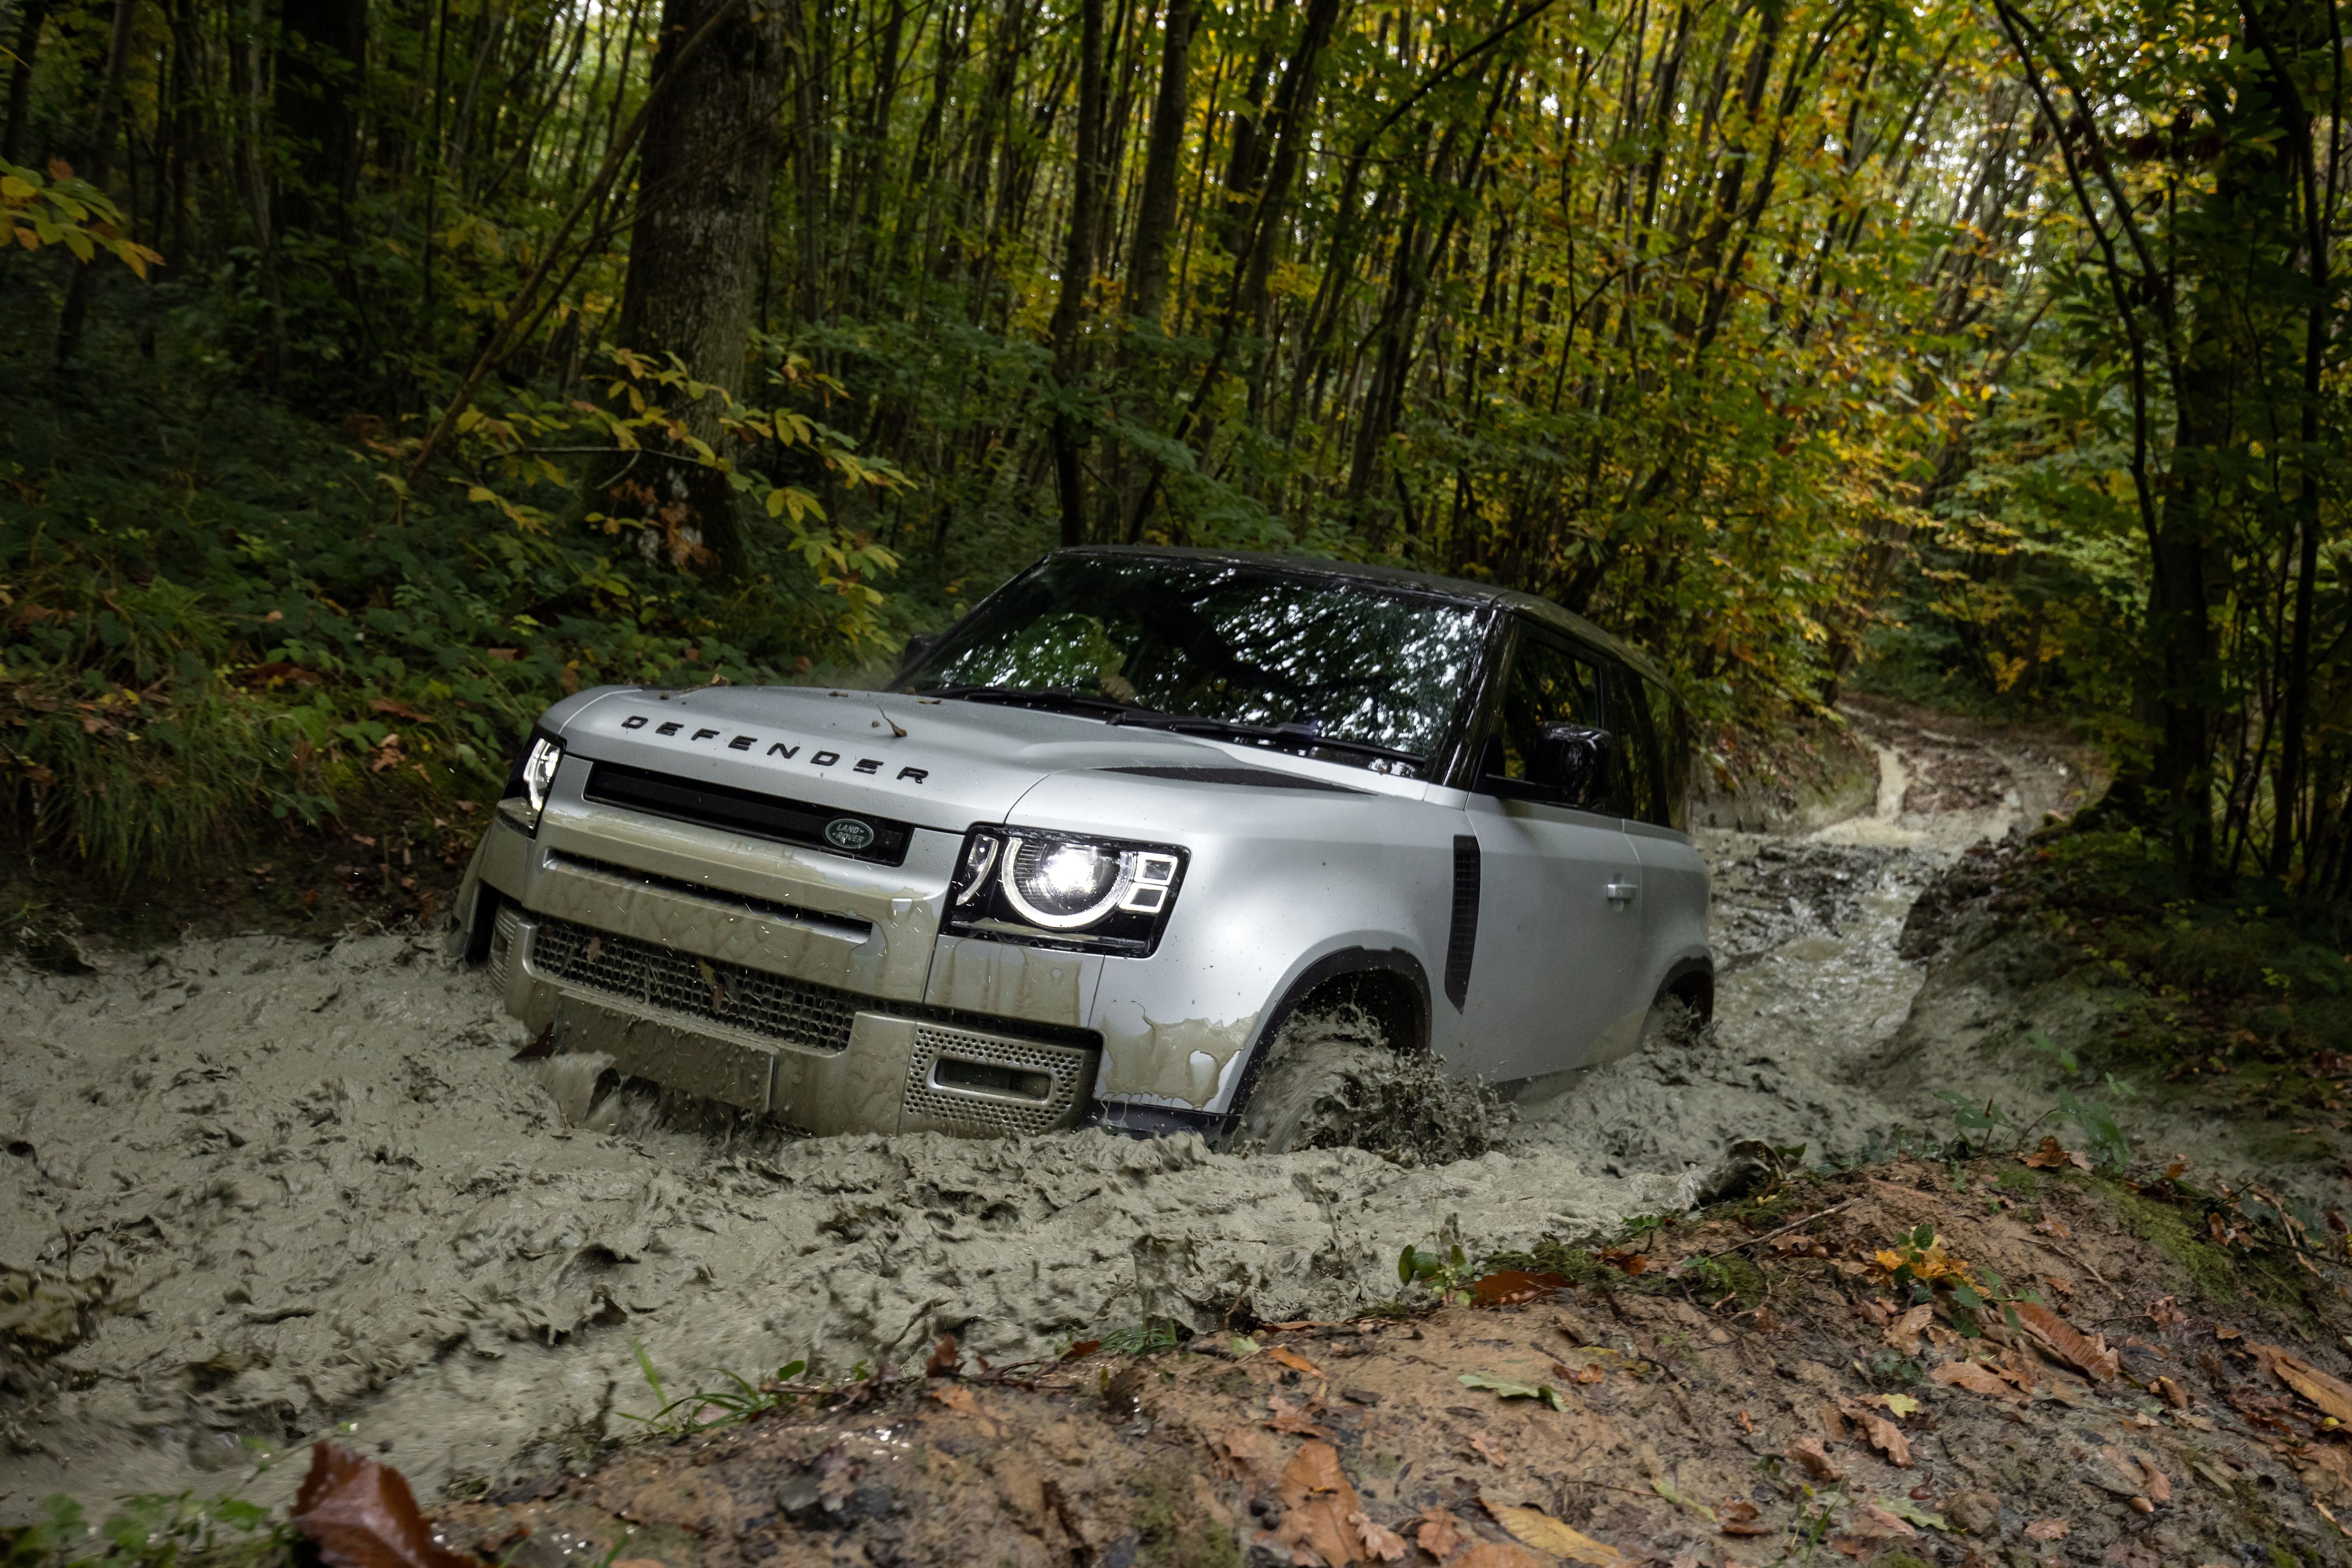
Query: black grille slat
[[816, 1018]]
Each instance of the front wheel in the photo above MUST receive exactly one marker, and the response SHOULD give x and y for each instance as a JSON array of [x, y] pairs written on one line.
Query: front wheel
[[1332, 1080]]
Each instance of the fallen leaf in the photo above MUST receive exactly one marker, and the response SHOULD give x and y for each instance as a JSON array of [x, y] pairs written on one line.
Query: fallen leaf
[[1738, 1516], [1250, 1455], [1498, 1554], [1244, 1347], [1545, 1533], [944, 1362], [2164, 1314], [2047, 1530], [1284, 1416], [1440, 1533], [1904, 1333], [1510, 1388], [1294, 1361], [398, 710], [1904, 1508], [1316, 1502], [2159, 1486], [1510, 1287], [1806, 1453], [2051, 1156], [960, 1399], [1898, 1403], [362, 1514], [1884, 1435], [1082, 1349], [2332, 1395], [2164, 1388], [1872, 1520], [1664, 1488], [1486, 1450], [1380, 1541], [2089, 1353]]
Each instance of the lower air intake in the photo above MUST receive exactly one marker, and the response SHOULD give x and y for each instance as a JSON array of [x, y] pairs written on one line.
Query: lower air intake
[[964, 1082]]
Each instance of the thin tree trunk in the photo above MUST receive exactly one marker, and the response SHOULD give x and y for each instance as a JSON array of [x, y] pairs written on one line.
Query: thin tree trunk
[[101, 164], [1077, 274]]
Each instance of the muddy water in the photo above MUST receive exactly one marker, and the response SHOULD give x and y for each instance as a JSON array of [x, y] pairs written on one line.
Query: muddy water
[[259, 1189]]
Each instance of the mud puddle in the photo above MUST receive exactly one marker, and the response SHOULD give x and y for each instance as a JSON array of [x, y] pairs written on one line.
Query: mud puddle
[[267, 1188]]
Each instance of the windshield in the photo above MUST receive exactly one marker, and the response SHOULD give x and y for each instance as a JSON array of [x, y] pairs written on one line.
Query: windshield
[[1279, 658]]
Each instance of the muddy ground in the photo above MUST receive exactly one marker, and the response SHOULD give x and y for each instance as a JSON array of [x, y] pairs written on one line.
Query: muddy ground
[[267, 1188]]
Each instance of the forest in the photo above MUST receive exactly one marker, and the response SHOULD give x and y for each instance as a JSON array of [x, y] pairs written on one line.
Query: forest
[[375, 371]]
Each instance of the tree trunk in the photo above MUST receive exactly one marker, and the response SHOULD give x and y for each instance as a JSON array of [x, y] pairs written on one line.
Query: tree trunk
[[101, 164], [321, 63], [20, 78], [1147, 289], [706, 165], [1077, 272]]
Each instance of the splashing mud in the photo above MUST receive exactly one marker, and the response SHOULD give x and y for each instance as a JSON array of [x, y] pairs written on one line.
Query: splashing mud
[[1332, 1082], [270, 1187]]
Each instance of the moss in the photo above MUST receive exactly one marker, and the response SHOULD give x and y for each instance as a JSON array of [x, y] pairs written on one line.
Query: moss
[[2222, 1277], [1171, 1531]]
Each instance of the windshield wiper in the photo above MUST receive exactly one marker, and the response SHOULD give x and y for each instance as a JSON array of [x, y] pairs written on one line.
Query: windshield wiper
[[1051, 699], [1276, 734]]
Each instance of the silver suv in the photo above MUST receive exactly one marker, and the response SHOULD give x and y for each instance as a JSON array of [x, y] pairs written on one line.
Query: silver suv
[[1098, 843]]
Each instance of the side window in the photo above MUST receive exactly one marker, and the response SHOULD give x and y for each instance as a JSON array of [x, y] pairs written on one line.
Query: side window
[[1655, 751], [1548, 685]]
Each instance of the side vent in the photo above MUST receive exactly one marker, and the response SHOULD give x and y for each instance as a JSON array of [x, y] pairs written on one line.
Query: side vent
[[1464, 939]]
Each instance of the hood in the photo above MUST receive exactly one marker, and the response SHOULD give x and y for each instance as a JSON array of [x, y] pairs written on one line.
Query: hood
[[955, 763]]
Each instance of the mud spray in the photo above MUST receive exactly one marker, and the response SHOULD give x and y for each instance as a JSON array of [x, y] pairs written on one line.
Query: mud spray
[[259, 1189]]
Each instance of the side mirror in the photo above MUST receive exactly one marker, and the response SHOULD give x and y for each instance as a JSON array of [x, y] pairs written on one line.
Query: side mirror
[[918, 645], [1573, 759]]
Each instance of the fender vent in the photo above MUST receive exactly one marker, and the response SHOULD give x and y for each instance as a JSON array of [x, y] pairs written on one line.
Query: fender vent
[[1464, 939]]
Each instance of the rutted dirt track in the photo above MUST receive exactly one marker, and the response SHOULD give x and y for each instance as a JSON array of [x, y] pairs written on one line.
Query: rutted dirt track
[[261, 1187]]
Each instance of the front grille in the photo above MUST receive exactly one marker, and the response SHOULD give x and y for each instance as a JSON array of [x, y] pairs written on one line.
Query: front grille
[[814, 1018], [1004, 1099], [856, 834]]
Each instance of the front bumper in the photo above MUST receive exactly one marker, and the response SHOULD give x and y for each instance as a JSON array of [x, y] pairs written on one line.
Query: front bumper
[[787, 985], [814, 1058]]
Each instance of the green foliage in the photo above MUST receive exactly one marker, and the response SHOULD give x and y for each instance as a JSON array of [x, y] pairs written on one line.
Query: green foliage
[[152, 1531], [63, 210], [1151, 1337], [1449, 1274], [741, 1400]]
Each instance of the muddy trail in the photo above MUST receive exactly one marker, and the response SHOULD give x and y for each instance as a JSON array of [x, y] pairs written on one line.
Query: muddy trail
[[268, 1189]]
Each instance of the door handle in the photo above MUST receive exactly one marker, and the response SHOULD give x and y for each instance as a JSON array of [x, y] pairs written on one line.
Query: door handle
[[1622, 892]]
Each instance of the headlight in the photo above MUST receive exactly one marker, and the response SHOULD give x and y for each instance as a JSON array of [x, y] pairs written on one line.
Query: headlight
[[533, 775], [1020, 884]]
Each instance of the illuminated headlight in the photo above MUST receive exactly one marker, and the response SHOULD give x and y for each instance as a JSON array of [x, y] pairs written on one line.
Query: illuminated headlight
[[533, 775], [1018, 883]]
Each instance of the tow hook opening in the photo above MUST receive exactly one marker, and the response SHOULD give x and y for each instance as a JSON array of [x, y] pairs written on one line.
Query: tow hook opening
[[991, 1078]]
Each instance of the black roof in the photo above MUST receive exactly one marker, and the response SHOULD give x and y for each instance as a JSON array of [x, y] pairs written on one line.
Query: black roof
[[1396, 576]]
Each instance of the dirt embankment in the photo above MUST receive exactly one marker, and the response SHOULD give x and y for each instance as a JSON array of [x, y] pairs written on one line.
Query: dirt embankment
[[1784, 1381]]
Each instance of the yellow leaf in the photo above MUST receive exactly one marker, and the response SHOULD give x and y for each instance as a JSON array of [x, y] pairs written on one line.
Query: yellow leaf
[[15, 190], [1545, 1533]]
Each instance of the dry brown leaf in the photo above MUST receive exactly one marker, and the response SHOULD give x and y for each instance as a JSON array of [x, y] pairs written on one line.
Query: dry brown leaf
[[1872, 1520], [2164, 1314], [2159, 1486], [2332, 1395], [363, 1515], [943, 1361], [2164, 1388], [1284, 1416], [1440, 1533], [1486, 1450], [2047, 1530], [1294, 1361], [1510, 1287], [1738, 1516], [1251, 1454], [2089, 1353], [2051, 1156], [1380, 1541], [1806, 1455], [1972, 1376], [1316, 1501], [1883, 1435], [1545, 1533], [1904, 1333]]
